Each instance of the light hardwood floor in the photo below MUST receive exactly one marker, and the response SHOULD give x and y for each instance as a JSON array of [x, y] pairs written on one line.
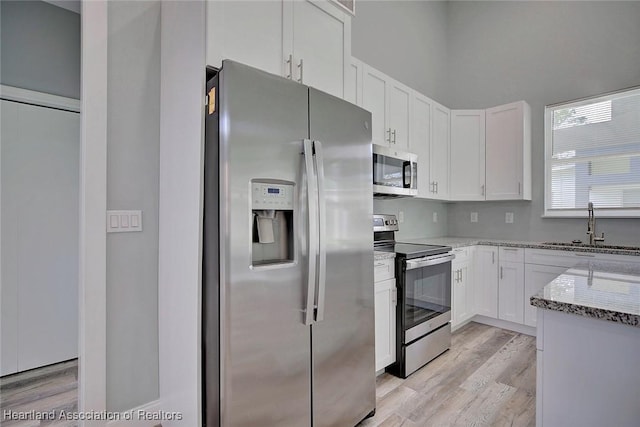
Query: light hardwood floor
[[42, 390], [487, 378]]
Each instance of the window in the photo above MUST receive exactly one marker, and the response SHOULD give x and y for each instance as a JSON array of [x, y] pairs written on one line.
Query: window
[[592, 154]]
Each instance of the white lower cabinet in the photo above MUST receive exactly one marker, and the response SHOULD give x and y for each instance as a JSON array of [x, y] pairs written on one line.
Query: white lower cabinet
[[485, 283], [536, 277], [461, 286], [511, 291], [385, 327]]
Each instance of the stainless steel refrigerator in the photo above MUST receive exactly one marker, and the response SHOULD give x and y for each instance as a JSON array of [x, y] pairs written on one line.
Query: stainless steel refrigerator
[[288, 320]]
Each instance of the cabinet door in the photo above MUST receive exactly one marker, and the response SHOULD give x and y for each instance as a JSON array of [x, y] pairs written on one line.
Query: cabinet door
[[439, 153], [250, 32], [420, 138], [374, 99], [321, 45], [385, 323], [535, 278], [508, 141], [485, 293], [353, 83], [399, 113], [467, 155], [511, 292], [461, 292]]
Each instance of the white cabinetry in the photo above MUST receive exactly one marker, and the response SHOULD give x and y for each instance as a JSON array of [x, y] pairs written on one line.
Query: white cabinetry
[[420, 140], [439, 152], [485, 283], [508, 152], [385, 313], [461, 286], [307, 41], [536, 277], [389, 102], [353, 84], [467, 167], [511, 285]]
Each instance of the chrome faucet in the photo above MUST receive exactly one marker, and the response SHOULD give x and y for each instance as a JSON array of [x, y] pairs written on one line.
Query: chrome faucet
[[591, 228]]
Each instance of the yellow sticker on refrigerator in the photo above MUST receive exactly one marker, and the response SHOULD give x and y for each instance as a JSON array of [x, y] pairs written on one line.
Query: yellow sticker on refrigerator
[[212, 100]]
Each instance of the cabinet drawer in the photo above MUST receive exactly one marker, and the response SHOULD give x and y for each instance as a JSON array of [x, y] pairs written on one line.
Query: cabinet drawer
[[511, 254], [462, 254], [384, 269]]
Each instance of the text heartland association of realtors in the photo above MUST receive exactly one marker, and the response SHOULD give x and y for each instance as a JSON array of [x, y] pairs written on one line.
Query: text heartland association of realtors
[[142, 415]]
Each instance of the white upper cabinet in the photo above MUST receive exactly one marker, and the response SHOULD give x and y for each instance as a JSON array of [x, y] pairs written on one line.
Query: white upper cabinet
[[439, 152], [467, 167], [508, 145], [374, 99], [389, 102], [320, 43], [306, 41], [399, 114], [353, 83], [420, 140]]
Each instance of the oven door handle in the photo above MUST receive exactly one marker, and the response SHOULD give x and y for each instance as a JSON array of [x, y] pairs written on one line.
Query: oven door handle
[[426, 262]]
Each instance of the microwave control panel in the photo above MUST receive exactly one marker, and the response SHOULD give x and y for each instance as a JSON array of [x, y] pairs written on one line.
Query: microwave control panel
[[271, 196]]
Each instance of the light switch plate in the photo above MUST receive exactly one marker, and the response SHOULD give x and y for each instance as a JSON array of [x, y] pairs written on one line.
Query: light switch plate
[[508, 217], [474, 216], [124, 221], [435, 217]]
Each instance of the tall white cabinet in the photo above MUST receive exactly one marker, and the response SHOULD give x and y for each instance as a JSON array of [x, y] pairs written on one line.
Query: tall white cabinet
[[307, 41], [485, 285], [421, 140], [467, 164], [439, 152], [40, 160]]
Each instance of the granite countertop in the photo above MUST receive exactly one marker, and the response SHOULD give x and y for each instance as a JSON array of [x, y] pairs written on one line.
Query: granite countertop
[[379, 255], [457, 242], [603, 290]]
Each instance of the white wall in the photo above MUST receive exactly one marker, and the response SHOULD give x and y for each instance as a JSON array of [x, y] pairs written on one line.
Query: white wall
[[40, 48], [133, 150], [544, 53]]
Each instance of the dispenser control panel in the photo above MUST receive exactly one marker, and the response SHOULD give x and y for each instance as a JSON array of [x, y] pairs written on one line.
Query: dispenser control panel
[[271, 196]]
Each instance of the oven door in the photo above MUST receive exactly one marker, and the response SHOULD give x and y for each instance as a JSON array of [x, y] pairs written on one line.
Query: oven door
[[426, 295], [394, 172]]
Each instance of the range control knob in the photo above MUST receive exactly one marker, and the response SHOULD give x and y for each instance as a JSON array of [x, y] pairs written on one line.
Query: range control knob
[[386, 222]]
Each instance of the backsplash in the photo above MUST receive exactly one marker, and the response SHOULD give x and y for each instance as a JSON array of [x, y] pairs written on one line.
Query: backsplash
[[418, 216]]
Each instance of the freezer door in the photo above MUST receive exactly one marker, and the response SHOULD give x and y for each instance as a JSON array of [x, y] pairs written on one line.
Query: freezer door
[[265, 351], [343, 334]]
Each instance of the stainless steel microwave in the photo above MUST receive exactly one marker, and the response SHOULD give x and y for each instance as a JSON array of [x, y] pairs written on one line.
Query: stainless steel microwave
[[394, 172]]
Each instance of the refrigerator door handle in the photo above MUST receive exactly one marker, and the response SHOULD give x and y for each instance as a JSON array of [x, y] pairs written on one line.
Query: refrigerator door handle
[[313, 228], [322, 227]]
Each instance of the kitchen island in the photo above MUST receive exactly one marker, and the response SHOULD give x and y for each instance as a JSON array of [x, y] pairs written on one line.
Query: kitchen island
[[588, 342]]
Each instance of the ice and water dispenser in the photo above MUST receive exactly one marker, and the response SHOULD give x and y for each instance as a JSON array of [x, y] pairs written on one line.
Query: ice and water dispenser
[[272, 216]]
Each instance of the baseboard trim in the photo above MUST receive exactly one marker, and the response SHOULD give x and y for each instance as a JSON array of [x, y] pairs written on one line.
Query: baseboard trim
[[516, 327]]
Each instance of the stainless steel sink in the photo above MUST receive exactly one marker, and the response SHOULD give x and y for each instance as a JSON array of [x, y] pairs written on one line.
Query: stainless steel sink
[[586, 245]]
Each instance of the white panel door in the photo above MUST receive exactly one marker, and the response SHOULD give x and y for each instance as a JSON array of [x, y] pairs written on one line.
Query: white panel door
[[321, 45], [399, 114], [535, 278], [385, 323], [486, 281], [9, 141], [461, 292], [505, 141], [374, 99], [420, 139], [353, 83], [439, 152], [250, 32], [467, 173], [511, 292], [40, 188]]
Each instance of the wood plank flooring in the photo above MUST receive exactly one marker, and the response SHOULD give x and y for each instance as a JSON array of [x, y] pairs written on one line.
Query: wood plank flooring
[[53, 387], [487, 378]]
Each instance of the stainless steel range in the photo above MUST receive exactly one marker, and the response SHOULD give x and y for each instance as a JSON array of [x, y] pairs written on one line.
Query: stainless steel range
[[423, 313]]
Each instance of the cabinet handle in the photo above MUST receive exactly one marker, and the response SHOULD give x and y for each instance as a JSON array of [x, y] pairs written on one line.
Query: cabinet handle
[[380, 264], [301, 67], [519, 188], [432, 184], [290, 64], [585, 255], [394, 296], [436, 187], [461, 279], [482, 189], [394, 136], [501, 272], [510, 249], [389, 137], [493, 257]]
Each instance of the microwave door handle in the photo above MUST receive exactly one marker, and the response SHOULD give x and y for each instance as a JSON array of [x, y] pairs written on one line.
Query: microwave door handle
[[406, 184], [313, 229], [322, 227]]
